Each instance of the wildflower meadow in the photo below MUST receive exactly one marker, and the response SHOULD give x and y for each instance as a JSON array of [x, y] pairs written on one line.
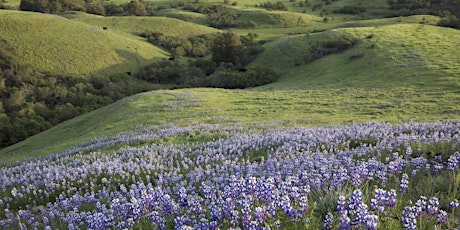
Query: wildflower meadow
[[371, 175]]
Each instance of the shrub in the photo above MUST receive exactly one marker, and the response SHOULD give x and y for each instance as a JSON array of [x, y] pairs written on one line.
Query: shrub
[[230, 78], [330, 45], [356, 10], [274, 6]]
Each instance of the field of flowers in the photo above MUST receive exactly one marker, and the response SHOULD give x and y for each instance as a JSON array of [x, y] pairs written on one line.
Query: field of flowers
[[358, 176]]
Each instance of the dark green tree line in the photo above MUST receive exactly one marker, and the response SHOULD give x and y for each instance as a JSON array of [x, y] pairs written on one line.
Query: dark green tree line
[[448, 9]]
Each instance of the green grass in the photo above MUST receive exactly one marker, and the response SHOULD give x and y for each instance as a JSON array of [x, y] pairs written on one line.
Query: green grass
[[136, 25], [188, 16], [62, 46], [402, 70], [400, 55], [203, 106]]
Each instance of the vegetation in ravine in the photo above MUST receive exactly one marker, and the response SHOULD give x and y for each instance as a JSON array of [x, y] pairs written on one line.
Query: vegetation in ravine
[[32, 101], [227, 67]]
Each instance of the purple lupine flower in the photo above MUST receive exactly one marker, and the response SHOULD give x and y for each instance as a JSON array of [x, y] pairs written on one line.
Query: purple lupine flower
[[277, 224], [432, 206], [391, 198], [182, 195], [356, 198], [157, 219], [442, 217], [437, 168], [420, 206], [344, 222], [259, 214], [408, 218], [454, 204], [404, 183], [453, 162], [303, 204], [409, 151], [328, 221], [371, 222], [361, 212], [341, 205], [216, 212]]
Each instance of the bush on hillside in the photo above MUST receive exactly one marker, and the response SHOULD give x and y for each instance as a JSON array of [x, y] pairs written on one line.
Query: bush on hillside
[[194, 46], [356, 10], [448, 9], [274, 6], [226, 68], [237, 79], [450, 20], [330, 45], [218, 16]]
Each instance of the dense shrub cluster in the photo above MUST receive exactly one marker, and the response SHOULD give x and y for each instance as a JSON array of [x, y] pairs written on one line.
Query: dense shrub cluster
[[274, 6], [206, 74], [218, 16], [237, 79], [330, 45], [135, 7], [448, 9], [226, 68], [32, 101], [195, 46], [356, 10]]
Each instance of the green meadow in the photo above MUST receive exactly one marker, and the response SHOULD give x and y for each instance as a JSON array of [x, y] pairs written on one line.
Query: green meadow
[[400, 69], [146, 152]]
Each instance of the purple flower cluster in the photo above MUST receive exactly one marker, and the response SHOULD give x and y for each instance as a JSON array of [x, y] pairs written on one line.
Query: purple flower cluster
[[236, 177], [423, 209]]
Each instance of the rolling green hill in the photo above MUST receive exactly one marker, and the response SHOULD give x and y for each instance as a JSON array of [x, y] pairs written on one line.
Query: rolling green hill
[[395, 72], [398, 69], [399, 55], [62, 46], [136, 25]]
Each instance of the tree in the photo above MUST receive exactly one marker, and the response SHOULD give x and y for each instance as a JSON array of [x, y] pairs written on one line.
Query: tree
[[228, 48], [136, 8]]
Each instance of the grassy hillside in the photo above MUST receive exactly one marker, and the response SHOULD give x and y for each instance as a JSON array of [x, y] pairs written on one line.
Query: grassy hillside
[[136, 25], [399, 55], [219, 106], [62, 46], [400, 69]]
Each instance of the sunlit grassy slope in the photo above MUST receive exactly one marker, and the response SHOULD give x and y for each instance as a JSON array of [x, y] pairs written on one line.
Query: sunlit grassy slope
[[136, 25], [400, 70], [251, 107], [61, 46], [398, 55]]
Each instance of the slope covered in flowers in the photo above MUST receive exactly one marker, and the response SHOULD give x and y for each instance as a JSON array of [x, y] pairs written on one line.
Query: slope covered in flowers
[[366, 175]]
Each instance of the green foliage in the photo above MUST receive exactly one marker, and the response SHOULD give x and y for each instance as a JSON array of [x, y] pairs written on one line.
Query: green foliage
[[449, 9], [192, 46], [32, 101], [331, 44], [274, 6], [224, 19], [228, 48], [204, 74], [351, 10], [226, 69], [52, 6], [239, 79], [218, 16], [136, 8]]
